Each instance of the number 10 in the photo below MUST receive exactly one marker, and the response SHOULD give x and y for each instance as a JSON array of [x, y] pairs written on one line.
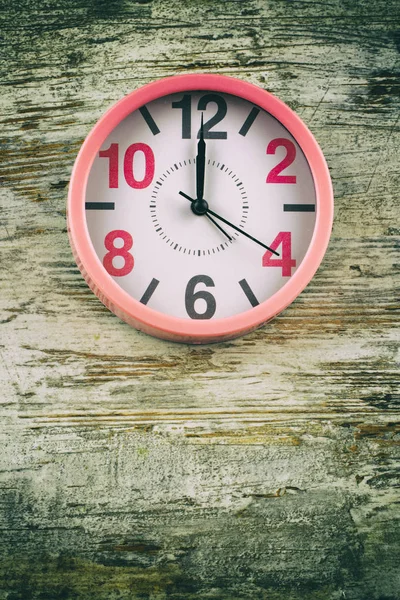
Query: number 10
[[112, 153]]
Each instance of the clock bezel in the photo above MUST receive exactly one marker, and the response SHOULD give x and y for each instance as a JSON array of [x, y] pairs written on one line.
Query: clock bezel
[[145, 318]]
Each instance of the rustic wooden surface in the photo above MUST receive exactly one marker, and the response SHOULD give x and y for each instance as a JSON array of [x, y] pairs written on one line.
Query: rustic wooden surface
[[264, 468]]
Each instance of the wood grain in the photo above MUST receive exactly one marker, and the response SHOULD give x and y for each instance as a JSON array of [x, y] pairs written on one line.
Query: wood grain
[[266, 467]]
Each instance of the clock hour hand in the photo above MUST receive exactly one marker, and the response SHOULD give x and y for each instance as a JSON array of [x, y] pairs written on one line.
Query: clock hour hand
[[214, 214]]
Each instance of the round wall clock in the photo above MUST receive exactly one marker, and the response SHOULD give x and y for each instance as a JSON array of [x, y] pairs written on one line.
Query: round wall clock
[[200, 206]]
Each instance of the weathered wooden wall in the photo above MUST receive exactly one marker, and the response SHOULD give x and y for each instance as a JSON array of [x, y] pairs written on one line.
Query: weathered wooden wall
[[264, 468]]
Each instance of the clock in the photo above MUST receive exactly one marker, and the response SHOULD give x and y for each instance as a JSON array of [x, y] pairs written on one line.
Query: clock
[[200, 206]]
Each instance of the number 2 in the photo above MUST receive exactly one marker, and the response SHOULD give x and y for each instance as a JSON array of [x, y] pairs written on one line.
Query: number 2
[[274, 175]]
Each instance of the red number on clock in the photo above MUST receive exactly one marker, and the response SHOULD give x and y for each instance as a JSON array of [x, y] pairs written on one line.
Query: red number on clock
[[273, 175], [112, 153], [121, 251], [149, 166], [286, 261]]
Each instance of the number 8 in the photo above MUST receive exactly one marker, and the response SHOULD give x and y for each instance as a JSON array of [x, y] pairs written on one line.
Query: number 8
[[114, 251]]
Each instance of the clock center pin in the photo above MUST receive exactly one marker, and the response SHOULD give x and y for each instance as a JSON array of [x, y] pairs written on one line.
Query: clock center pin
[[199, 207]]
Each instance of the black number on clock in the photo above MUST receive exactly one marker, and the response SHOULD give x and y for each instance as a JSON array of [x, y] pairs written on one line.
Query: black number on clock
[[191, 296], [186, 106], [219, 115]]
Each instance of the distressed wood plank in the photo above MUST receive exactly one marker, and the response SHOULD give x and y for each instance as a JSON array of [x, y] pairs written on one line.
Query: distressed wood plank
[[266, 467]]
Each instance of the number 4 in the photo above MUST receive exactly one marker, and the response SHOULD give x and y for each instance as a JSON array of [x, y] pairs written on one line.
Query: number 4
[[286, 261]]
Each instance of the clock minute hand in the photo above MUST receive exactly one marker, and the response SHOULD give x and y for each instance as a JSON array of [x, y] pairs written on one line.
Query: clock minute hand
[[217, 216], [241, 231], [200, 164]]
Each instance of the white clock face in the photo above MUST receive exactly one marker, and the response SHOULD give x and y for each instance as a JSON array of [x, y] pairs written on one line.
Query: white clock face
[[148, 181]]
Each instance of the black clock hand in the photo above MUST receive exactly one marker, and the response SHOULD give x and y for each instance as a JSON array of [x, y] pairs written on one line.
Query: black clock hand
[[211, 212], [199, 204], [219, 227], [241, 231], [200, 164], [200, 208]]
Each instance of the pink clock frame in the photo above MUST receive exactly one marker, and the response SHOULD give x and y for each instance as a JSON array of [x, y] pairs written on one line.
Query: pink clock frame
[[141, 316]]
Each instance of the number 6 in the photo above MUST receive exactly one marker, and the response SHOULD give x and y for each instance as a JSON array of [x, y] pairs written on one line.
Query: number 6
[[191, 296]]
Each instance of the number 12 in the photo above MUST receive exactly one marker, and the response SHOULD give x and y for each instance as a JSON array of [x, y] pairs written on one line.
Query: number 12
[[186, 106]]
